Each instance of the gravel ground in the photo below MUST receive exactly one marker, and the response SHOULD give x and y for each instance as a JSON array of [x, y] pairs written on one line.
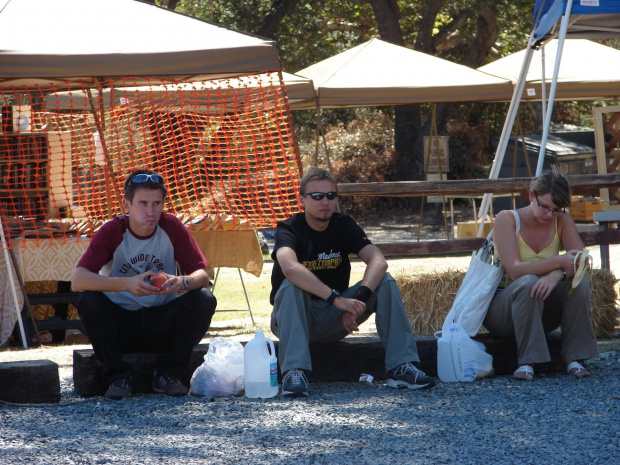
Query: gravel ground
[[554, 420]]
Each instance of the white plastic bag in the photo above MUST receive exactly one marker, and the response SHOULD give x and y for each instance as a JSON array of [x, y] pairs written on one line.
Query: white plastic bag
[[460, 358], [221, 374], [476, 292]]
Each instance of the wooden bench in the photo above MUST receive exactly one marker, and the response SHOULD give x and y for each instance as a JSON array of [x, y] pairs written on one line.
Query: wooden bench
[[345, 360], [59, 322], [452, 246]]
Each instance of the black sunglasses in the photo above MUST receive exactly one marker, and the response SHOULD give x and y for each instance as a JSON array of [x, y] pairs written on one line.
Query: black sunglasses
[[560, 211], [319, 195], [140, 178]]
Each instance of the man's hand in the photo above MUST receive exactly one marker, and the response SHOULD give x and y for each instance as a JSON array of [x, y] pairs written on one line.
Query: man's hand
[[352, 309], [349, 323], [140, 285], [352, 306]]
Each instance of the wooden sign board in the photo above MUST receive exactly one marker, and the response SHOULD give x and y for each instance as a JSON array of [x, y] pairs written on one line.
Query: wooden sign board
[[438, 148]]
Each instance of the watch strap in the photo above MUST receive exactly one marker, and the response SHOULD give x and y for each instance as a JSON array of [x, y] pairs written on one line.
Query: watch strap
[[332, 296]]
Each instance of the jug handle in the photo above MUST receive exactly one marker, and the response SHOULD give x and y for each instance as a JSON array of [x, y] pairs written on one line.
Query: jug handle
[[272, 347]]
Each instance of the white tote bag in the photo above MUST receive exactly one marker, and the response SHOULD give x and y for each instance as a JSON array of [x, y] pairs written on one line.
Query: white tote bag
[[476, 292]]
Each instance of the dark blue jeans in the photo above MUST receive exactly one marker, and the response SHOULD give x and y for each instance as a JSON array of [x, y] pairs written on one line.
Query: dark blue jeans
[[173, 330]]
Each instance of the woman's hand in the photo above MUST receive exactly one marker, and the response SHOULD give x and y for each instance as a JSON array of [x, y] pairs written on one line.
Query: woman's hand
[[568, 262], [543, 287]]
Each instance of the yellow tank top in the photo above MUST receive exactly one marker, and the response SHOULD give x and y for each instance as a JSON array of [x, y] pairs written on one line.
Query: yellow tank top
[[526, 253]]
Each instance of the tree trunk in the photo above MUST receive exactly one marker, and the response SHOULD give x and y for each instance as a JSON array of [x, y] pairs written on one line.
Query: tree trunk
[[424, 39], [487, 33], [280, 8], [407, 118]]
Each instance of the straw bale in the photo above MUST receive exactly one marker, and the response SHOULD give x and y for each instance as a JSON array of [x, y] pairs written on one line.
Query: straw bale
[[428, 297], [605, 314]]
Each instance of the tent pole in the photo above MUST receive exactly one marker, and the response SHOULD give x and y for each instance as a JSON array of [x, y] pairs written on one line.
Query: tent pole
[[544, 84], [510, 118], [318, 132], [321, 134], [9, 273], [554, 84]]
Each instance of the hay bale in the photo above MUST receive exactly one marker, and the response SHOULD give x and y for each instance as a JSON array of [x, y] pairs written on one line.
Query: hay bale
[[428, 298], [605, 315]]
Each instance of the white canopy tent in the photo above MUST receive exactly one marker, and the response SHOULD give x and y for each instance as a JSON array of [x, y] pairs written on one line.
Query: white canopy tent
[[589, 71], [378, 73], [72, 41]]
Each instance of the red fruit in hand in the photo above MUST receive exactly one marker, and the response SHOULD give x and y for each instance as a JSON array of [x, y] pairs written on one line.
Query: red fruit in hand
[[158, 280]]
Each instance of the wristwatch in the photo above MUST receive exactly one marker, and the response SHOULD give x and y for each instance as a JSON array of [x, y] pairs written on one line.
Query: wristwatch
[[185, 283], [332, 296], [564, 272]]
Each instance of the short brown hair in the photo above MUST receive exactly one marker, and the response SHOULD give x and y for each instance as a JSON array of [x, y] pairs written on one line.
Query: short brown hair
[[315, 174], [130, 188], [555, 183]]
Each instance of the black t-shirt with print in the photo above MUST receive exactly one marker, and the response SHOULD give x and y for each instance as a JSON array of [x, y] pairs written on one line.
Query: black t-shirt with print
[[325, 253]]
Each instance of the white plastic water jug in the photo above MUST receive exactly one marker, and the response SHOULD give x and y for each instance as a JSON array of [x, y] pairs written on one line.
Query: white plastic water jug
[[260, 367]]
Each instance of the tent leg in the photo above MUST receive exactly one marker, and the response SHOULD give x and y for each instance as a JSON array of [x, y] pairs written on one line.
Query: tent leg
[[22, 287], [318, 135], [9, 262], [554, 85]]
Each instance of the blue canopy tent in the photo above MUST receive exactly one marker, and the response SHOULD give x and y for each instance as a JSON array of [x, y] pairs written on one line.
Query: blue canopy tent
[[555, 19]]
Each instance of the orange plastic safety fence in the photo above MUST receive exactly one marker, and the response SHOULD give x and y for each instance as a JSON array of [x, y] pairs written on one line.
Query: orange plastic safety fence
[[226, 149]]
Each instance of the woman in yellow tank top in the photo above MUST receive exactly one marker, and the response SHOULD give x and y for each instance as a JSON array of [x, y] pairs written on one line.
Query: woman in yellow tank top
[[536, 299]]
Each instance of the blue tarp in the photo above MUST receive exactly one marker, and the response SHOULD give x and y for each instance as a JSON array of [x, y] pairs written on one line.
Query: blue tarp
[[548, 12]]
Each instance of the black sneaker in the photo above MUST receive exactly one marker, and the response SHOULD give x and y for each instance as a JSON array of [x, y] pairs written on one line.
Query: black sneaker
[[295, 383], [407, 376], [119, 389], [171, 385]]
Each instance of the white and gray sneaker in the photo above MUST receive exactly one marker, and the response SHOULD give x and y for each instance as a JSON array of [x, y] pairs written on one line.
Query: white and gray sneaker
[[295, 383], [407, 376]]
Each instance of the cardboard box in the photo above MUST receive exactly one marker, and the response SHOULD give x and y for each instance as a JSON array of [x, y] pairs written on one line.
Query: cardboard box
[[583, 210], [469, 229]]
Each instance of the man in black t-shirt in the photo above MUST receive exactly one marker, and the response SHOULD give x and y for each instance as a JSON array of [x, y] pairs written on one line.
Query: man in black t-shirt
[[311, 295]]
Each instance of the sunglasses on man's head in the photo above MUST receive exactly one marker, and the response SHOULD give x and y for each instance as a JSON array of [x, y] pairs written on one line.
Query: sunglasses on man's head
[[140, 178], [319, 195]]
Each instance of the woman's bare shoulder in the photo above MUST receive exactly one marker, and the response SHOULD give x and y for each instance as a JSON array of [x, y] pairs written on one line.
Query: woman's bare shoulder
[[505, 217]]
